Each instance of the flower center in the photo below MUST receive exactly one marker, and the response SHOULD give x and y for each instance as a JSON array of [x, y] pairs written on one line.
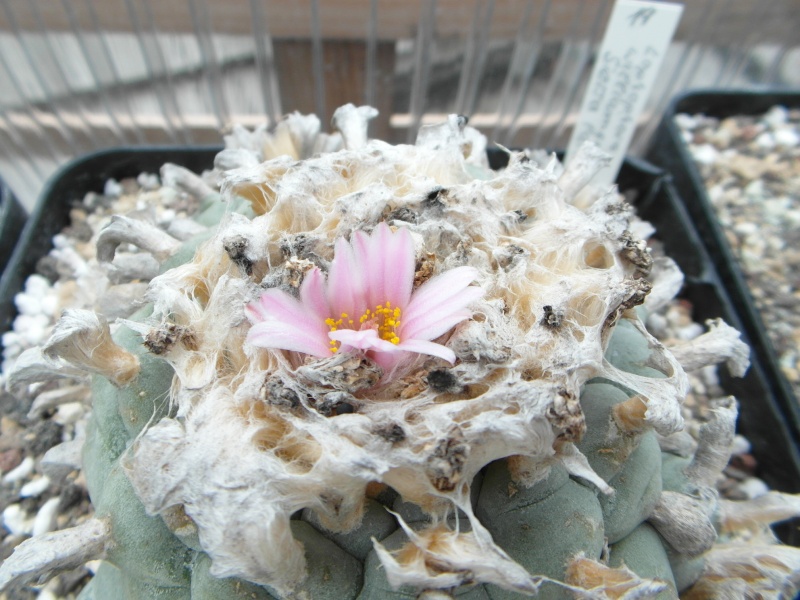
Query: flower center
[[385, 319]]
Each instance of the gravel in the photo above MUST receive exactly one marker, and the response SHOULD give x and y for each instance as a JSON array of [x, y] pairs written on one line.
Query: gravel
[[751, 169]]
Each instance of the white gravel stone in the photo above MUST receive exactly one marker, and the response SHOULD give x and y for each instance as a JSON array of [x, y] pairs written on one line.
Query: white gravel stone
[[705, 154], [690, 331], [46, 517], [36, 284], [776, 116], [746, 228], [22, 471], [35, 488], [47, 594], [753, 487], [62, 459], [112, 189], [740, 445], [766, 140], [686, 121], [17, 521], [786, 136], [148, 181]]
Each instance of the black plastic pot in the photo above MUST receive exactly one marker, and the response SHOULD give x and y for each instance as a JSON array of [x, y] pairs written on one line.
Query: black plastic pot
[[12, 220], [763, 421], [669, 151]]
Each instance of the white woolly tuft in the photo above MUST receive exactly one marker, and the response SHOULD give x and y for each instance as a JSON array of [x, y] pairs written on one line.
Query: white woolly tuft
[[252, 442]]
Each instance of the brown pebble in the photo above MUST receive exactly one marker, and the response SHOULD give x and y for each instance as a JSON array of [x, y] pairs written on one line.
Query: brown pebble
[[745, 463], [10, 459]]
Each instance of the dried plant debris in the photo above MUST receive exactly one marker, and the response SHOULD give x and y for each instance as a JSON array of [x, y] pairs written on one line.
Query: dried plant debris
[[375, 327]]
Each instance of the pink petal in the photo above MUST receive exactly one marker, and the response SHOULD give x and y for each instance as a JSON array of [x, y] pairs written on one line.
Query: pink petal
[[277, 305], [436, 304], [443, 288], [312, 295], [345, 282], [367, 251], [281, 321], [388, 361], [399, 272], [256, 312], [366, 339], [437, 325], [431, 348], [388, 261], [276, 334]]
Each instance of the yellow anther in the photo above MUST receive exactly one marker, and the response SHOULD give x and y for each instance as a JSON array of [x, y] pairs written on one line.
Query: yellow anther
[[383, 318]]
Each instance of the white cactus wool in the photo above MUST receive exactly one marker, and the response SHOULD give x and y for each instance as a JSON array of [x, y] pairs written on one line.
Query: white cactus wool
[[271, 421], [371, 319]]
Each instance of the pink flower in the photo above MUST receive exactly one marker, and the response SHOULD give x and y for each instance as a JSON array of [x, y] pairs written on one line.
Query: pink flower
[[366, 303]]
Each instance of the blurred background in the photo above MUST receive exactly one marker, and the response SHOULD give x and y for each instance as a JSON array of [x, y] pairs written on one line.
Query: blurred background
[[81, 75]]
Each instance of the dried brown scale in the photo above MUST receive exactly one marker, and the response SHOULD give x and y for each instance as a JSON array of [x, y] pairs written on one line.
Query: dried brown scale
[[630, 416], [160, 340], [237, 248], [443, 380], [337, 403], [344, 372], [401, 214], [637, 252], [446, 462], [551, 318], [276, 393], [566, 416], [392, 432]]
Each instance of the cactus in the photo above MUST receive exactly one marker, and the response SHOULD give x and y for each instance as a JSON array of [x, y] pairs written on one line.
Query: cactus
[[503, 427]]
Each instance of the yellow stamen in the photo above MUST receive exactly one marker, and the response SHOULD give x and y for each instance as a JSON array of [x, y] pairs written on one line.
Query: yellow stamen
[[385, 319]]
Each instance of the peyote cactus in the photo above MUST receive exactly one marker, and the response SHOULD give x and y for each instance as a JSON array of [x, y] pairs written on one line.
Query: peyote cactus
[[393, 373]]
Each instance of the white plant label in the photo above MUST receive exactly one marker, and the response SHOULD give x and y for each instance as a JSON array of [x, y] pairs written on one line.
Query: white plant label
[[636, 40]]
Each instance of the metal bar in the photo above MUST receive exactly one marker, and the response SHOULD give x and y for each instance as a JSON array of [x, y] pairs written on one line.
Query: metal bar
[[265, 63], [99, 85], [159, 71], [212, 73], [422, 64], [371, 75], [107, 53], [317, 60], [527, 74], [561, 65]]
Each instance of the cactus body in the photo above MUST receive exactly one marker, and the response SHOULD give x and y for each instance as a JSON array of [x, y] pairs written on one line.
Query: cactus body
[[515, 451]]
